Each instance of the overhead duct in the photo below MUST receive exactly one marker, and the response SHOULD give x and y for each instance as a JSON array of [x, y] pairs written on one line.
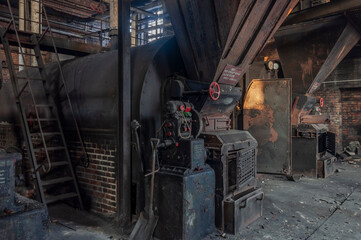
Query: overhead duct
[[212, 34]]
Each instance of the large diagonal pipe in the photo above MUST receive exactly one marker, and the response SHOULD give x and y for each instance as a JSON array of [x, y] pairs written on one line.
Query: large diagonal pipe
[[348, 39]]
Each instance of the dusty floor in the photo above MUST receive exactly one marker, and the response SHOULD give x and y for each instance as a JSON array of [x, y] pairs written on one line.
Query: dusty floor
[[306, 209], [71, 224]]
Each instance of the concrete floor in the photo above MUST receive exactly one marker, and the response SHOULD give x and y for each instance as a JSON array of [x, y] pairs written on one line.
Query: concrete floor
[[312, 209], [71, 224]]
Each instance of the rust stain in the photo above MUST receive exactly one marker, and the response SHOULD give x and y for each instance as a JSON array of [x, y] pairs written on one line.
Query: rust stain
[[306, 69], [273, 133]]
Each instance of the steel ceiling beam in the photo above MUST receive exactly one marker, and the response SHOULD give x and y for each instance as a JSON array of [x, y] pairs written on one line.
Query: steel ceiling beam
[[332, 8]]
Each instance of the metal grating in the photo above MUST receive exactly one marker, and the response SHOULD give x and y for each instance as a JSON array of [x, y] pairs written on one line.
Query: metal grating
[[241, 168], [5, 185], [232, 157], [331, 143], [246, 166]]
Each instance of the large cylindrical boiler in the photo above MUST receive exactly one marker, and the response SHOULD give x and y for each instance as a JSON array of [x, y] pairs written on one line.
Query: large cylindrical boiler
[[92, 85]]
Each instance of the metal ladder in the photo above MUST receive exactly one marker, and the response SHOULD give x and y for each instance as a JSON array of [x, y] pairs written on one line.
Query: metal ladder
[[48, 152]]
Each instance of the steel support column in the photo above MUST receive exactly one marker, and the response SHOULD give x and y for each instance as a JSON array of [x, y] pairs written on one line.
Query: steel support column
[[124, 107]]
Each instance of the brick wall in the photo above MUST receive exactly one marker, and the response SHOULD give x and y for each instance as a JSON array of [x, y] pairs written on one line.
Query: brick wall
[[351, 115], [97, 182], [333, 107], [341, 93]]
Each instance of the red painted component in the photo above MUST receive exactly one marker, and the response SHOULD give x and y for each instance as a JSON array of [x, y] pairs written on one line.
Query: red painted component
[[186, 129], [322, 102], [181, 107], [207, 121], [95, 7], [169, 134], [188, 109], [169, 125], [177, 144], [214, 91]]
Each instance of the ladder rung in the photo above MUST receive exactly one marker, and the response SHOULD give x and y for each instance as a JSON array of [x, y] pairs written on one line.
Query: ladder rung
[[42, 119], [26, 54], [58, 164], [56, 180], [29, 66], [45, 134], [51, 199], [43, 106], [49, 149], [31, 79]]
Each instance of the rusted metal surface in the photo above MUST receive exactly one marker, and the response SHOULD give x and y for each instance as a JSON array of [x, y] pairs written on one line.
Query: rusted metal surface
[[77, 8], [232, 155], [315, 119], [303, 50], [347, 40], [64, 45], [267, 116], [255, 23], [319, 145]]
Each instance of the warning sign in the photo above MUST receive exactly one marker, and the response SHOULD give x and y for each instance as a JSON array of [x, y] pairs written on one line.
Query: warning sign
[[231, 75]]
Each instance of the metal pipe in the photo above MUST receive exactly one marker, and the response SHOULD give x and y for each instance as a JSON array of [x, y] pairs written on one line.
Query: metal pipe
[[124, 176], [342, 81], [345, 43]]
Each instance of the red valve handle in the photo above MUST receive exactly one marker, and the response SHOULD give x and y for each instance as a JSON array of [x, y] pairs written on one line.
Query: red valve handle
[[214, 91], [322, 102]]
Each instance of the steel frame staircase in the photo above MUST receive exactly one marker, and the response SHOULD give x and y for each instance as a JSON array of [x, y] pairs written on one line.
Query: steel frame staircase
[[48, 152]]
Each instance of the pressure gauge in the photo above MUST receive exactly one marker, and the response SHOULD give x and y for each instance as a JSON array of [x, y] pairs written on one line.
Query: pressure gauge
[[270, 65], [276, 66]]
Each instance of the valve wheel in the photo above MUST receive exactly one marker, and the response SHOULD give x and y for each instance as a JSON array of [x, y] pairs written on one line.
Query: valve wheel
[[322, 102], [214, 91]]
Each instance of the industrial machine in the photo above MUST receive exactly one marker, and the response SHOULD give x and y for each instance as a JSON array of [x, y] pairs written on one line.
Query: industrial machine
[[214, 45], [185, 184], [318, 160], [20, 218], [231, 153]]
